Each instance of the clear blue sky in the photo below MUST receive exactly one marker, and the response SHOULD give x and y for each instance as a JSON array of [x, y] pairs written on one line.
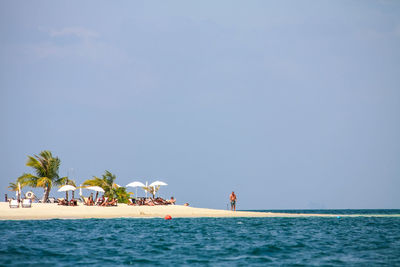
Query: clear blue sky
[[291, 104]]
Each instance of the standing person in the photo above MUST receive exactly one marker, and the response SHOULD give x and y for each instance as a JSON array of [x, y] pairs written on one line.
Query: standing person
[[90, 200], [232, 198]]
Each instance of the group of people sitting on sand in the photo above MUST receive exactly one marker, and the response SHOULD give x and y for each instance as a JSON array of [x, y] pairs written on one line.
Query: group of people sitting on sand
[[106, 202], [65, 202], [151, 201], [101, 201]]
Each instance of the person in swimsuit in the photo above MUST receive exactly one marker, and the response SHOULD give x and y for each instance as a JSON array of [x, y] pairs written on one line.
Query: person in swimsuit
[[90, 201], [172, 201], [232, 198]]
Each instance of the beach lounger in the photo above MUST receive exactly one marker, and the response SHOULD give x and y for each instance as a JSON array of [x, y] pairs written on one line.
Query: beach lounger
[[160, 201], [61, 201], [26, 203], [149, 202], [98, 202], [140, 201], [105, 202], [14, 203], [84, 200], [143, 201], [110, 204]]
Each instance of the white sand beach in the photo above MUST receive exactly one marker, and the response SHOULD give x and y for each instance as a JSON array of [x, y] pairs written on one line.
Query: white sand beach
[[53, 211], [40, 211]]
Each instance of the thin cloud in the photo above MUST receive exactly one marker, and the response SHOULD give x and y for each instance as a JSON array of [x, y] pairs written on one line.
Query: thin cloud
[[87, 45], [74, 31]]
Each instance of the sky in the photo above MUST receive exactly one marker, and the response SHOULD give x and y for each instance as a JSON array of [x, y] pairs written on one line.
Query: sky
[[291, 104]]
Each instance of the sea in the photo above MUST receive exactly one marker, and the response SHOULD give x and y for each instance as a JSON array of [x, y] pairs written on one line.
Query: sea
[[301, 241]]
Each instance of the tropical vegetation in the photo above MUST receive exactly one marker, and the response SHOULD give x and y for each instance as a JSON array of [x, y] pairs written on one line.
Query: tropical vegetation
[[45, 175], [152, 190], [13, 186], [45, 168], [111, 189]]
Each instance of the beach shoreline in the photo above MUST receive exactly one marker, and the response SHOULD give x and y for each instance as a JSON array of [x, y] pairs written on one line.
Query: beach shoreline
[[40, 211]]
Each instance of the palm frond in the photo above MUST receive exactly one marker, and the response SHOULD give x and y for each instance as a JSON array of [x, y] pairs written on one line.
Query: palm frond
[[109, 178], [13, 187], [44, 182], [46, 154], [36, 165], [61, 181], [27, 179], [52, 167], [71, 182], [96, 181]]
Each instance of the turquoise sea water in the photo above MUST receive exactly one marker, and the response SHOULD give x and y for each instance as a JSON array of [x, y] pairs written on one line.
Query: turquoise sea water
[[204, 241]]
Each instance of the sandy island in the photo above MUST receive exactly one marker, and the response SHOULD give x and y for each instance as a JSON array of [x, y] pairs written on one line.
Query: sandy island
[[40, 211]]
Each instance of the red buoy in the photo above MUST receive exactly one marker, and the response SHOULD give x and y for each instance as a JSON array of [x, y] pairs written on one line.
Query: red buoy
[[168, 217]]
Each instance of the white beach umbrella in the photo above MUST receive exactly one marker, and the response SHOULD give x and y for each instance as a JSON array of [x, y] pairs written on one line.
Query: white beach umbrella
[[65, 188], [95, 188], [136, 184], [157, 183]]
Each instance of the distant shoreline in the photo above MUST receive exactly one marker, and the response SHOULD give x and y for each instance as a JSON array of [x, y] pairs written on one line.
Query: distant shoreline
[[40, 211]]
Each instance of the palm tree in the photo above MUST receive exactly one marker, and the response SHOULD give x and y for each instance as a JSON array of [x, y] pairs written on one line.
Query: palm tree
[[46, 173], [14, 187], [111, 189]]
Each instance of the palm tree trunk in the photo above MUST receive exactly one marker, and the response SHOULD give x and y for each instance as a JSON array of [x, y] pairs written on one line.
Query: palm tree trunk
[[46, 194]]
